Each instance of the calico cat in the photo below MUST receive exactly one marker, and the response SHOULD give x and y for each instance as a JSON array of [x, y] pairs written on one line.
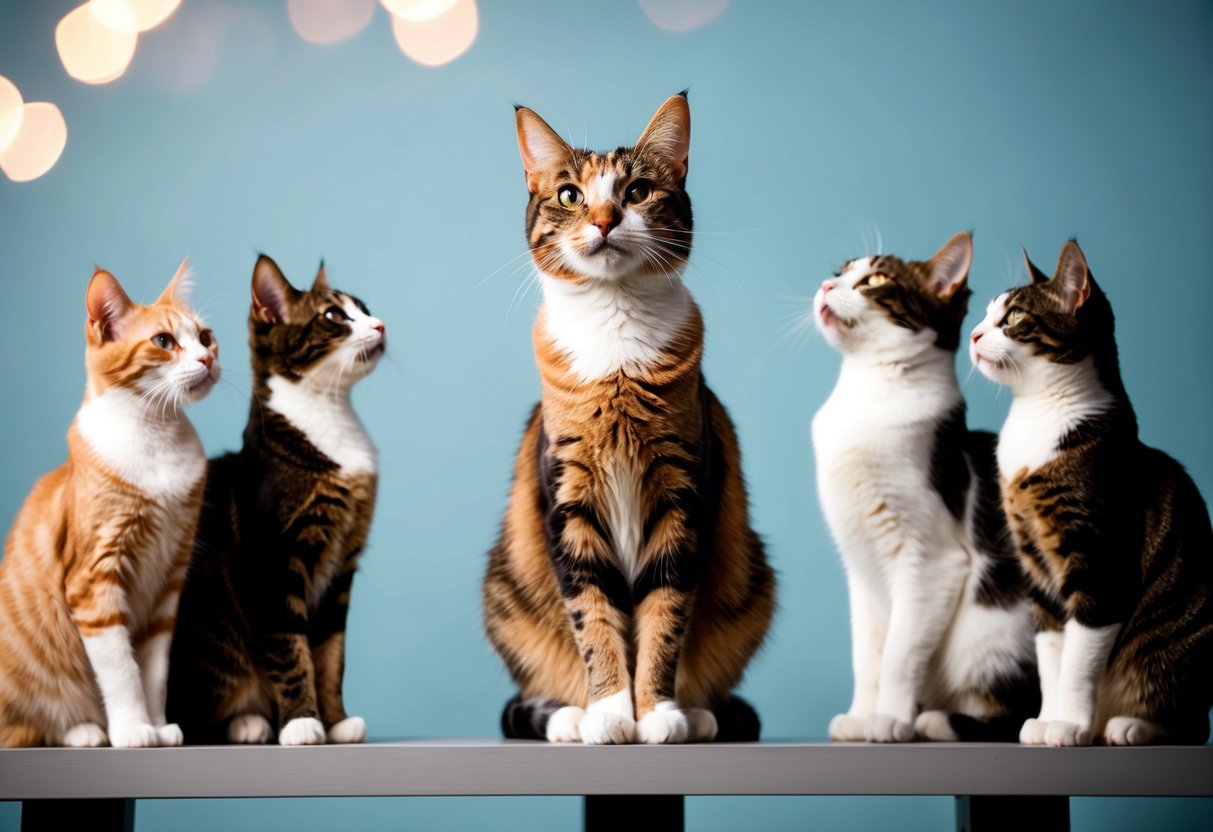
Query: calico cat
[[94, 563], [1113, 535], [627, 592], [941, 633], [260, 644]]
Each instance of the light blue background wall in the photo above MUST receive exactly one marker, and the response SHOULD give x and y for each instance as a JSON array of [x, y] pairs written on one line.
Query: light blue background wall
[[816, 125]]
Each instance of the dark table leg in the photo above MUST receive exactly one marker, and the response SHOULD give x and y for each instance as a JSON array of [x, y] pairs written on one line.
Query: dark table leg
[[1012, 814], [611, 812], [109, 815]]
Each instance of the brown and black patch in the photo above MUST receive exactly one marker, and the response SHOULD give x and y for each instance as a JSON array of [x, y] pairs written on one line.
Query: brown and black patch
[[911, 298]]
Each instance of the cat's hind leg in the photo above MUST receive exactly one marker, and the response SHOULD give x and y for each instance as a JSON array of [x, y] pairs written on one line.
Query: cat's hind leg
[[85, 735], [249, 729], [541, 718], [1129, 730]]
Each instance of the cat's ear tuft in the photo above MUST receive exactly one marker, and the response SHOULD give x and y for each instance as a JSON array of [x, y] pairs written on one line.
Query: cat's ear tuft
[[950, 265], [669, 134], [538, 144], [107, 304], [1035, 274], [178, 290], [1073, 278], [272, 292], [321, 282]]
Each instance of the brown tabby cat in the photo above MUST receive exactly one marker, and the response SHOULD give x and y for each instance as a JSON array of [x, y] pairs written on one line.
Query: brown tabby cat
[[627, 592], [94, 564], [1113, 535], [262, 629]]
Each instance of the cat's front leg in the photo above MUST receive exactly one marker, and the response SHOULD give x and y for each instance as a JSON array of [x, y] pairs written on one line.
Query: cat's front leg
[[1049, 643], [868, 630], [1084, 655], [925, 593], [328, 658], [98, 609], [286, 655], [661, 620], [152, 647]]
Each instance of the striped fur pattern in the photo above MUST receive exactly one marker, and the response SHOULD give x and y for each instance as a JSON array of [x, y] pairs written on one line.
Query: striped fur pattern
[[940, 625], [260, 647], [94, 565], [627, 592], [1113, 535]]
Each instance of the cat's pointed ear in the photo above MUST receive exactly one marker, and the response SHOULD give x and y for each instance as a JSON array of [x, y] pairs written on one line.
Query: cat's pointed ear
[[272, 292], [1036, 275], [538, 144], [178, 289], [669, 134], [107, 304], [322, 279], [1073, 277], [950, 265]]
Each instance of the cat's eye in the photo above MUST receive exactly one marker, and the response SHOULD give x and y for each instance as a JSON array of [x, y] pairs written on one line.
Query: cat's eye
[[569, 196], [205, 338], [1015, 316], [874, 279], [638, 192], [336, 314], [164, 341]]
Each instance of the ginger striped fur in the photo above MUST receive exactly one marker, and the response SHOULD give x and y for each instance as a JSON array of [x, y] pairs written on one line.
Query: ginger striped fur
[[95, 562]]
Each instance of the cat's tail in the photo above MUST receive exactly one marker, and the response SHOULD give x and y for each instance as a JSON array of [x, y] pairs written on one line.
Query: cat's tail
[[951, 727], [736, 721], [527, 719]]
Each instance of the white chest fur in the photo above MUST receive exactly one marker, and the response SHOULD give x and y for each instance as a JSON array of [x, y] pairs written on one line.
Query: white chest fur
[[605, 326], [329, 423], [163, 458], [624, 516]]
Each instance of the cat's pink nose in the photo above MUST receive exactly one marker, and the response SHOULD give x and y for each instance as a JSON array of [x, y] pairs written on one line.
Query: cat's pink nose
[[976, 336], [827, 285], [378, 325], [206, 360]]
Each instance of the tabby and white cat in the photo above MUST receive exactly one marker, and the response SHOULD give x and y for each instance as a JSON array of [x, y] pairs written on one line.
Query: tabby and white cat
[[260, 645], [941, 633], [1113, 535], [94, 564], [627, 592]]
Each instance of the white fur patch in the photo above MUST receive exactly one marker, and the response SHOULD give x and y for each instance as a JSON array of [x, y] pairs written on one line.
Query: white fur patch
[[329, 423], [1084, 656], [302, 731], [118, 677], [85, 735], [249, 729], [1127, 730], [564, 724], [624, 517], [665, 724], [352, 729], [161, 456], [609, 721], [701, 725], [608, 326]]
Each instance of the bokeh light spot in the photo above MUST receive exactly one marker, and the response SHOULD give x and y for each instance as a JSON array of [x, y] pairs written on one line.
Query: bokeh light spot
[[683, 15], [38, 145], [10, 112], [133, 15], [91, 51], [441, 39], [418, 10], [329, 21]]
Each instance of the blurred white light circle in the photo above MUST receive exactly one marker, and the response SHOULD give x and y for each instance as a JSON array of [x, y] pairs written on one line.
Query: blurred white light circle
[[91, 51], [683, 15], [133, 15], [439, 40], [418, 11], [38, 145], [328, 21], [10, 112]]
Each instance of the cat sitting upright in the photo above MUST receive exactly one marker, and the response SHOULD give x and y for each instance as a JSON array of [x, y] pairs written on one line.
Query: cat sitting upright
[[260, 645], [94, 564], [1113, 535], [941, 635]]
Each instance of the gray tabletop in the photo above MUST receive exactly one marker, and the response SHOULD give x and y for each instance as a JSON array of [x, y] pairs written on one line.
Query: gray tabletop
[[501, 767]]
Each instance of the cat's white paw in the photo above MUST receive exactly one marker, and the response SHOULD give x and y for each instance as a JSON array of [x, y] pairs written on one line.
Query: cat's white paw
[[249, 729], [607, 728], [701, 725], [85, 735], [665, 724], [1063, 734], [349, 730], [1128, 730], [1033, 731], [563, 724], [170, 735], [887, 728], [935, 726], [847, 728], [302, 730], [134, 735]]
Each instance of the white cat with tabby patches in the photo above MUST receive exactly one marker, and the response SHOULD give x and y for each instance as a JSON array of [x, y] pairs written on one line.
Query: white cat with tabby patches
[[937, 619]]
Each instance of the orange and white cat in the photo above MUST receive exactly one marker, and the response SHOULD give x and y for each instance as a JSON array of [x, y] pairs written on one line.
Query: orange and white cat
[[95, 562]]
